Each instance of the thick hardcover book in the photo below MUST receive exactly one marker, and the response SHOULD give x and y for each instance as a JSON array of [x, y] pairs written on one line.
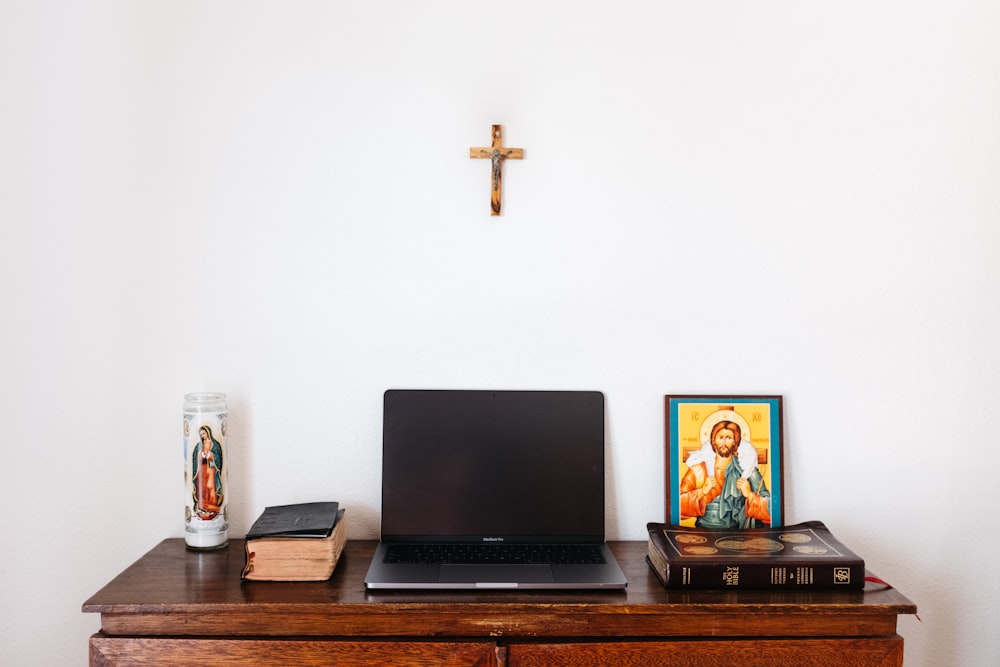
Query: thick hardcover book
[[290, 545], [804, 555]]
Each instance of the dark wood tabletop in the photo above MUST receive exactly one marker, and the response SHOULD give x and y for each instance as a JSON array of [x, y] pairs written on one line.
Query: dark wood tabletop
[[174, 591]]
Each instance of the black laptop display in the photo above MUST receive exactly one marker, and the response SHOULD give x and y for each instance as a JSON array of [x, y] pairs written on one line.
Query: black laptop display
[[493, 489]]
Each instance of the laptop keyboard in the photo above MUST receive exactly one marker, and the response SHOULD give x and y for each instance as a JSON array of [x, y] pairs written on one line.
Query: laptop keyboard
[[490, 554]]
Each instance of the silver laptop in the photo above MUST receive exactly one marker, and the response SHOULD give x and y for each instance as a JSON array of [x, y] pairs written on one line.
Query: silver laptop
[[493, 490]]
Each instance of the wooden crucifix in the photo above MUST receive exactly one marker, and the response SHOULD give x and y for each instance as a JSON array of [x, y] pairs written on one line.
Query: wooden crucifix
[[497, 153]]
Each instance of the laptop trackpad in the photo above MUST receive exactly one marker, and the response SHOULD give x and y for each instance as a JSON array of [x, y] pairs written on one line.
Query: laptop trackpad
[[502, 575]]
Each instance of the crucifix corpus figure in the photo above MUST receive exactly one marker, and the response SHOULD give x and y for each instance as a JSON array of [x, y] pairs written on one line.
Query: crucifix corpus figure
[[497, 153]]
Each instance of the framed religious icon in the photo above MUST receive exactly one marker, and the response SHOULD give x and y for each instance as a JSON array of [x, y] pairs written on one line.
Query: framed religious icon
[[723, 461]]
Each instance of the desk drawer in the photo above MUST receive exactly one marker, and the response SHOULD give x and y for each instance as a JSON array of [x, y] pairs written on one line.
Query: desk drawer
[[115, 651], [843, 652]]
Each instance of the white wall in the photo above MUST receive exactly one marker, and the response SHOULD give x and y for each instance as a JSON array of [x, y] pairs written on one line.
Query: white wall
[[275, 200]]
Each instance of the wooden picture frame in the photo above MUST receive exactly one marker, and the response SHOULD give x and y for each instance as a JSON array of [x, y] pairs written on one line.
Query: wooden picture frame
[[752, 425]]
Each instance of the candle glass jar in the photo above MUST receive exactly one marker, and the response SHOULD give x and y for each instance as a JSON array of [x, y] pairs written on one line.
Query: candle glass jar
[[206, 514]]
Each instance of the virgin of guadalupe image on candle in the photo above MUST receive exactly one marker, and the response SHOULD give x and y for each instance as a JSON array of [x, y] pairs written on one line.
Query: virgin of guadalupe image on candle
[[206, 475], [723, 462]]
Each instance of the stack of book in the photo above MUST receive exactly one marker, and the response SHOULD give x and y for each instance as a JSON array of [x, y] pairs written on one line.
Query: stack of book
[[299, 542], [804, 555]]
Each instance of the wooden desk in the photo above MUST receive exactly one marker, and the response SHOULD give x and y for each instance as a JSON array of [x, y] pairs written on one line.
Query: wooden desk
[[179, 607]]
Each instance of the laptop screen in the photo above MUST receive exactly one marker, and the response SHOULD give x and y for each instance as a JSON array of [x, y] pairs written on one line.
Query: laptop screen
[[472, 465]]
